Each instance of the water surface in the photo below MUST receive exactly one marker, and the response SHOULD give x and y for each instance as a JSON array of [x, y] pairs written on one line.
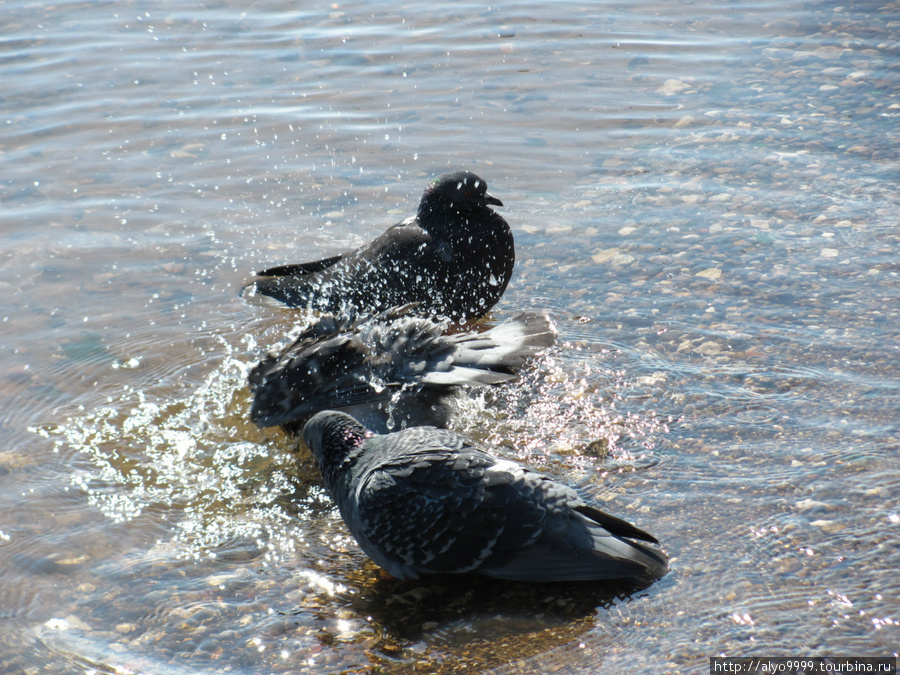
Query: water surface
[[704, 199]]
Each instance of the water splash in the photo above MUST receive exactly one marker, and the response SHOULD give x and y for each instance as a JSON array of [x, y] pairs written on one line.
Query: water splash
[[567, 409], [190, 462]]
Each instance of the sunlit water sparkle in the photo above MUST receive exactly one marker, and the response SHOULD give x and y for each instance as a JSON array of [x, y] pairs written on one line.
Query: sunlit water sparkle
[[704, 200]]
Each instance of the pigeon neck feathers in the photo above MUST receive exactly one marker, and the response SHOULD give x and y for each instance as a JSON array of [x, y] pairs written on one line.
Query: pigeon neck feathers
[[334, 439]]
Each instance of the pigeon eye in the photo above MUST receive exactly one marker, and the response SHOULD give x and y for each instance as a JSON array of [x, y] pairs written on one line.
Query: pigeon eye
[[467, 193]]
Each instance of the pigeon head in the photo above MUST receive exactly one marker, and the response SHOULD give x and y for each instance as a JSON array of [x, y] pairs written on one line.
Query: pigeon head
[[332, 436], [451, 196]]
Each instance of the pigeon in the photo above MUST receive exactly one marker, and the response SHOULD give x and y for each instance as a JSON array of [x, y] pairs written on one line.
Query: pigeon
[[454, 257], [427, 501], [392, 369]]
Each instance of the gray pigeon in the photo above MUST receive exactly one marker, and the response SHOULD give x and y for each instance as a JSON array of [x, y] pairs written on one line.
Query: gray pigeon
[[393, 366], [454, 258], [426, 501]]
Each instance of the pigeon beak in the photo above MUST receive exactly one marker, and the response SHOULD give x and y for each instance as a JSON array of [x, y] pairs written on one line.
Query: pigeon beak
[[491, 199]]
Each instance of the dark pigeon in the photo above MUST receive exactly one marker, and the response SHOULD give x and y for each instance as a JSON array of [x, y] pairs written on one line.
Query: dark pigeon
[[454, 258], [390, 370], [426, 501]]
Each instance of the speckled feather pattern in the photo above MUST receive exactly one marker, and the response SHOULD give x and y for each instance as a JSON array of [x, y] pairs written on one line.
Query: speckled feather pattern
[[426, 501]]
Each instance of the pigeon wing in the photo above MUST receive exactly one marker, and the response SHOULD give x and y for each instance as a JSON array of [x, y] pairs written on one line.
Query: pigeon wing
[[435, 510], [374, 277], [312, 375], [576, 541]]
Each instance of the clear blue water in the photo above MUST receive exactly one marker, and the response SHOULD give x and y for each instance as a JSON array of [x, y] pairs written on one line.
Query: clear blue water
[[704, 198]]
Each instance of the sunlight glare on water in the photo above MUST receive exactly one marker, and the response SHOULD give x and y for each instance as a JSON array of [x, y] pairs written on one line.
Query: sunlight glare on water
[[179, 455], [704, 200]]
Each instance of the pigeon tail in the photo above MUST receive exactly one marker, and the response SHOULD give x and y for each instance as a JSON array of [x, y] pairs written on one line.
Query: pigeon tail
[[495, 355], [583, 551]]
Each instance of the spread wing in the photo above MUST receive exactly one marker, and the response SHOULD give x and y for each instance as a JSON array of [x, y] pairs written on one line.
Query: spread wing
[[313, 373], [336, 362]]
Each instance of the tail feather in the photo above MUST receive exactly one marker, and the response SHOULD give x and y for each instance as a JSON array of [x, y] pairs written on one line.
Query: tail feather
[[300, 269], [459, 376], [500, 350], [582, 550], [281, 291], [617, 526]]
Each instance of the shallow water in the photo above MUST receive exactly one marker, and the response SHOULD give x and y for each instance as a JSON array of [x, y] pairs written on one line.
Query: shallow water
[[704, 199]]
